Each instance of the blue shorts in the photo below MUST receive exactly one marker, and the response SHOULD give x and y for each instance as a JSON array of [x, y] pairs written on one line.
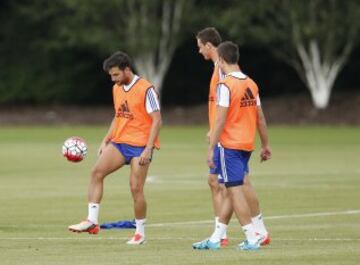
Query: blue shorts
[[129, 151], [217, 170], [233, 165]]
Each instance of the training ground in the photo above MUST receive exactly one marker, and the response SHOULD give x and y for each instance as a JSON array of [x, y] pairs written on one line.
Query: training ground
[[309, 194]]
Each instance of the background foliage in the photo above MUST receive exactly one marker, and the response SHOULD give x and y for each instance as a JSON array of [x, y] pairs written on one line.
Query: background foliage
[[51, 52]]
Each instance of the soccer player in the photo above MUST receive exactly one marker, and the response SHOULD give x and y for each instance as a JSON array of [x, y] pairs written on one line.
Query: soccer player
[[131, 138], [207, 40], [238, 116]]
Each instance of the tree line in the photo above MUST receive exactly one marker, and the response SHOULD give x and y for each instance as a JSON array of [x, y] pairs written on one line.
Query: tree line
[[51, 51]]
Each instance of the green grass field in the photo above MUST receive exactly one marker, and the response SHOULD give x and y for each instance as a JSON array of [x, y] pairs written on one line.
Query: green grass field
[[309, 194]]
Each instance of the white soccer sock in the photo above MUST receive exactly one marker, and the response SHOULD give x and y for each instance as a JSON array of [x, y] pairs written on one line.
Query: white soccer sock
[[250, 234], [140, 226], [218, 233], [216, 221], [224, 235], [93, 212], [259, 225]]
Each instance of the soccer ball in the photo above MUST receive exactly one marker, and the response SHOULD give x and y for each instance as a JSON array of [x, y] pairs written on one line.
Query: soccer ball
[[74, 149]]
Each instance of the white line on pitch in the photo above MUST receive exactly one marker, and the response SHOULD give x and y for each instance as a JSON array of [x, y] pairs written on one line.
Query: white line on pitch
[[348, 212], [200, 222], [161, 238]]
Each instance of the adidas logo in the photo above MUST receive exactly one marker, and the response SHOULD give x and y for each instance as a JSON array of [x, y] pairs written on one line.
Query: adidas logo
[[124, 111], [248, 99], [125, 107]]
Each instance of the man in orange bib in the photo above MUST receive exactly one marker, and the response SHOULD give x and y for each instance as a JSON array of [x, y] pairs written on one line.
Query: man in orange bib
[[238, 117], [208, 40], [131, 138]]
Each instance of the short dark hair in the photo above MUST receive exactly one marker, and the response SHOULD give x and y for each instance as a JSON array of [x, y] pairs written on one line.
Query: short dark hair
[[209, 34], [117, 59], [229, 51]]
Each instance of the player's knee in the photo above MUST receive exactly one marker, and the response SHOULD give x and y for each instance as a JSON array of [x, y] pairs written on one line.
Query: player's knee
[[97, 173], [136, 189], [224, 191], [213, 183]]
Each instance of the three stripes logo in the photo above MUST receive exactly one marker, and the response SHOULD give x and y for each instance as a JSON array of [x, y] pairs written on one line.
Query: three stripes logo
[[248, 99], [124, 111]]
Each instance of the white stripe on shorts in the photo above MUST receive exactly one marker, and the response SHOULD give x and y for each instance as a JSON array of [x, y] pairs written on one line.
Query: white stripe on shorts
[[222, 162]]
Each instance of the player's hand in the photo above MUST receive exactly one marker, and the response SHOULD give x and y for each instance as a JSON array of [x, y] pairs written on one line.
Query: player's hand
[[210, 159], [265, 153], [145, 156]]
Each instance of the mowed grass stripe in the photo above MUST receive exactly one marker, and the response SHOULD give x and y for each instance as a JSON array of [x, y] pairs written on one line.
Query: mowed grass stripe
[[314, 171]]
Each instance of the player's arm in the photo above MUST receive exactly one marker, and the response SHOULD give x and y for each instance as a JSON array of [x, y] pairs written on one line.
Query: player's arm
[[155, 129], [153, 109], [221, 113], [208, 136], [154, 132], [223, 103], [265, 153]]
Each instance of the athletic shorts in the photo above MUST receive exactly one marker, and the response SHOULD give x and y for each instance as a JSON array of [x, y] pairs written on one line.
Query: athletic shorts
[[233, 165], [217, 170], [129, 151]]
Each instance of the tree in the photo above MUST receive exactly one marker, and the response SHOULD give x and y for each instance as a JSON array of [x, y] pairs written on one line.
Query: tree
[[315, 37], [161, 29], [148, 30]]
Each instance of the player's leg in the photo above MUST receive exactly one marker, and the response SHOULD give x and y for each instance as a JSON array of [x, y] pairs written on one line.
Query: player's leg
[[242, 212], [219, 234], [216, 194], [234, 201], [234, 167], [218, 191], [214, 180], [227, 207], [226, 212], [256, 215], [251, 197], [239, 204], [137, 181], [109, 161], [216, 240]]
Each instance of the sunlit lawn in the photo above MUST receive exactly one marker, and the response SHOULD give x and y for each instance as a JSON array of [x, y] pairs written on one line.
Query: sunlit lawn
[[309, 195]]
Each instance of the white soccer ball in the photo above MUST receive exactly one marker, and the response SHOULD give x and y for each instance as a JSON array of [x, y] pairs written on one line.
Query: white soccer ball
[[74, 149]]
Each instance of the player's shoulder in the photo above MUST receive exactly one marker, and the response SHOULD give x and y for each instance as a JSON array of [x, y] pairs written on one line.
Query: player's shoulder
[[233, 78], [144, 83], [244, 78], [252, 82]]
